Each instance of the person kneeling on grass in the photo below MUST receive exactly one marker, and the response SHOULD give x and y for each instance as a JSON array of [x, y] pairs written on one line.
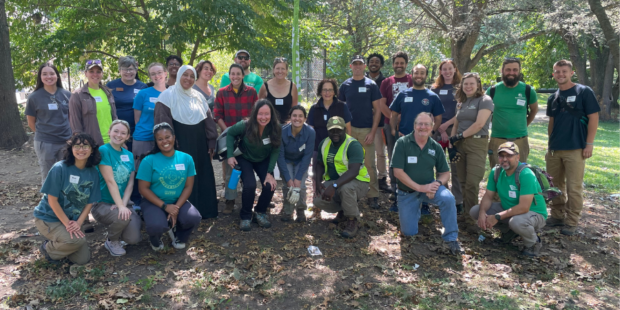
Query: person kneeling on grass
[[166, 179], [522, 209], [116, 177], [70, 189], [346, 177], [414, 160]]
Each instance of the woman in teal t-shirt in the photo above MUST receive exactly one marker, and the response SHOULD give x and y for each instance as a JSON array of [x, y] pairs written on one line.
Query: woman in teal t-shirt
[[116, 178], [166, 181]]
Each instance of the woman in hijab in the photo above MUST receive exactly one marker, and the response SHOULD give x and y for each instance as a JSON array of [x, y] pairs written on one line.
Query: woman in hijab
[[187, 111]]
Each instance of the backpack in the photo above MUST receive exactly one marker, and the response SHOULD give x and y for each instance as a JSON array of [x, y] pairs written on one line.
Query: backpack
[[544, 179], [528, 90]]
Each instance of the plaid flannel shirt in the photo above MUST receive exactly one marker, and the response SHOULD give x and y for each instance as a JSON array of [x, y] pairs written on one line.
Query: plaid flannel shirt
[[231, 107]]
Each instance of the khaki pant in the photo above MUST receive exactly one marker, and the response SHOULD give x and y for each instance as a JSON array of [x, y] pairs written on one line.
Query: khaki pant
[[61, 245], [380, 152], [523, 144], [369, 159], [471, 168], [567, 169], [525, 225], [345, 199], [118, 229]]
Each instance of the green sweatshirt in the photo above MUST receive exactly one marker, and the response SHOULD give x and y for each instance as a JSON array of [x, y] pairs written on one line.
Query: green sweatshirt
[[252, 151]]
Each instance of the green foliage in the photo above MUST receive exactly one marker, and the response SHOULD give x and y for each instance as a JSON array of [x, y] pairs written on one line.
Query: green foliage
[[147, 283], [67, 288]]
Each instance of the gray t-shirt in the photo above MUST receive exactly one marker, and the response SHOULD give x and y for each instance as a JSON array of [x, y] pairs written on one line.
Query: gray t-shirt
[[210, 99], [52, 114], [467, 113]]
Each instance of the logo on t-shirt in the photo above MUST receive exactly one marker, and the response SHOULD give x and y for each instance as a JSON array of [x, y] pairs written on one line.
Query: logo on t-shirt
[[170, 178], [425, 101]]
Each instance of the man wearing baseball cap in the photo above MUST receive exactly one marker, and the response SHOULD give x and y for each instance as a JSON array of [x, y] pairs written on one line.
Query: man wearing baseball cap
[[522, 209], [344, 174], [242, 57], [363, 99]]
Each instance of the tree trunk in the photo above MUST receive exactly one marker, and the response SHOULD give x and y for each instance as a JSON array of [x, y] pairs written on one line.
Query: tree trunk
[[606, 97], [579, 60], [466, 24], [608, 30], [13, 134]]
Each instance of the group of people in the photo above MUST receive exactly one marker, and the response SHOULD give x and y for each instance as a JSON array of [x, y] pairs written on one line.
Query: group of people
[[94, 143]]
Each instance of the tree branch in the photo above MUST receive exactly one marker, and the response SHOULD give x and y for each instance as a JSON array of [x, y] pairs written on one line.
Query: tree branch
[[498, 47], [497, 12], [431, 14], [102, 52]]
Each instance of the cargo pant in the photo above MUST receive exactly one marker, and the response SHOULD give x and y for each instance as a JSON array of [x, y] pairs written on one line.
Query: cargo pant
[[380, 152], [48, 154], [301, 204], [471, 168], [345, 199], [118, 229], [61, 245], [567, 169], [522, 143], [525, 225], [369, 159]]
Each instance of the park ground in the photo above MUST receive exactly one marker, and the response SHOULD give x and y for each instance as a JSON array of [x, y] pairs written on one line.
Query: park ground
[[224, 268]]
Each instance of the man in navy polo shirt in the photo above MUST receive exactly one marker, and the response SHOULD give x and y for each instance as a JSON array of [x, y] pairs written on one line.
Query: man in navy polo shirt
[[363, 99]]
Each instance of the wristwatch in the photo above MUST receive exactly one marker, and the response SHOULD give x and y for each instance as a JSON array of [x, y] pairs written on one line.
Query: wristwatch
[[498, 217], [335, 185], [440, 183]]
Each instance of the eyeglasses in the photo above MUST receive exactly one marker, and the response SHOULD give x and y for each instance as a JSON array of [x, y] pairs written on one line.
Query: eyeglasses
[[174, 64], [128, 70], [507, 156], [243, 57], [84, 147], [424, 124], [93, 62]]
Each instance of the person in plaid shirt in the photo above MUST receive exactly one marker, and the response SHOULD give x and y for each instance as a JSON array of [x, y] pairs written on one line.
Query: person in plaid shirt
[[232, 104]]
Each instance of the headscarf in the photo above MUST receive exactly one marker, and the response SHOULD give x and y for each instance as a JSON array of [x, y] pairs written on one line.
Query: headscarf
[[187, 106]]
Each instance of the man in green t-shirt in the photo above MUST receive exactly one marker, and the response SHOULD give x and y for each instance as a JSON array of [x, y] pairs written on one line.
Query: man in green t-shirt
[[242, 57], [510, 115], [346, 178], [522, 209]]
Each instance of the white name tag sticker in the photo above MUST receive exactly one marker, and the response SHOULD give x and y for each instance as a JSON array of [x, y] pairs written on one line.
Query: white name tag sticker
[[153, 99], [431, 152], [98, 99], [408, 99], [571, 98], [279, 101], [303, 147], [443, 92], [362, 89], [266, 141], [324, 117], [521, 102], [512, 194], [402, 87], [125, 157], [179, 167], [74, 179], [412, 159], [135, 91], [52, 106]]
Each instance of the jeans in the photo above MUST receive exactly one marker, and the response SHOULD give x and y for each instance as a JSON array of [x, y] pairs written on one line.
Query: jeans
[[409, 211], [249, 187]]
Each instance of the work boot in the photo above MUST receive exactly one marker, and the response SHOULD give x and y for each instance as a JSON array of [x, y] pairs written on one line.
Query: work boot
[[508, 236], [286, 217], [261, 219], [383, 186], [533, 250], [569, 230], [373, 203], [459, 209], [339, 218], [455, 247], [552, 222], [350, 230], [301, 215], [230, 207]]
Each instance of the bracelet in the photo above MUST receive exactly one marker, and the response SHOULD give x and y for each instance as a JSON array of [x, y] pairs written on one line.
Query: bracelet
[[163, 206]]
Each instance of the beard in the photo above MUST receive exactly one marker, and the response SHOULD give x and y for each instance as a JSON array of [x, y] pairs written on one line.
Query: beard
[[510, 82], [415, 83]]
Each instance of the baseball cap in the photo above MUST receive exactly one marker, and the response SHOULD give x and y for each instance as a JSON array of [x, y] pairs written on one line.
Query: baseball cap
[[242, 51], [357, 58], [336, 122], [93, 63], [508, 147]]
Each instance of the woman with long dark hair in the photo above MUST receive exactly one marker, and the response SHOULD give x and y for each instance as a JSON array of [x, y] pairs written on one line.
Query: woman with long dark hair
[[166, 178], [47, 112], [260, 146], [69, 191]]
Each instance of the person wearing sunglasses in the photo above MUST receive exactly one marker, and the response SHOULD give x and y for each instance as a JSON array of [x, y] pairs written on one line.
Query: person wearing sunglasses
[[281, 92], [93, 108], [125, 90], [47, 112], [250, 79]]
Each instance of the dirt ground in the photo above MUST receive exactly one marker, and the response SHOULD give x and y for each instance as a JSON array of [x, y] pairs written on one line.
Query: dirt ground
[[225, 268]]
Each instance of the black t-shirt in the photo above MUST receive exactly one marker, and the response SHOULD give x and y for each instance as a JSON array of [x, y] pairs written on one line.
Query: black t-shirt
[[569, 132]]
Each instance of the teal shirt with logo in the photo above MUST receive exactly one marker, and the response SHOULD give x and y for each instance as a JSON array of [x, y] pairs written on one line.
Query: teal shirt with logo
[[122, 165], [167, 175]]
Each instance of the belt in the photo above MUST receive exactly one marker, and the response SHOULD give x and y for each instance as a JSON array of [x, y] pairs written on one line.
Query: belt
[[479, 136], [510, 139], [406, 191]]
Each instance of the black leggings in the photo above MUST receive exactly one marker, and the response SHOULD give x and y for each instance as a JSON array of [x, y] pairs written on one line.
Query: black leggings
[[249, 187], [156, 222]]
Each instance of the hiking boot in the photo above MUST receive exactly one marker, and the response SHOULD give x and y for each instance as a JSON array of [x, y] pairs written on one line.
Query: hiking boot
[[534, 250], [115, 248], [394, 207], [508, 236], [339, 218], [373, 203], [552, 222], [569, 230], [47, 256], [455, 247], [425, 209], [301, 215], [245, 225], [230, 207], [156, 244], [286, 217], [383, 186], [350, 230], [459, 209], [175, 241], [261, 219]]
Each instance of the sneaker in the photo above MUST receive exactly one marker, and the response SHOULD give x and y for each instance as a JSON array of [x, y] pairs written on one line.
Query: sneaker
[[339, 218], [261, 219], [569, 230], [552, 222], [533, 250], [350, 230], [425, 209], [459, 209], [373, 203], [286, 217], [508, 236], [158, 246], [46, 255], [301, 215], [230, 207], [455, 247], [175, 241], [115, 248], [383, 186], [394, 207], [245, 225]]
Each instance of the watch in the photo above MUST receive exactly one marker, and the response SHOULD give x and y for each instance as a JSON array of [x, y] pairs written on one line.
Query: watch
[[335, 185], [498, 217], [440, 183]]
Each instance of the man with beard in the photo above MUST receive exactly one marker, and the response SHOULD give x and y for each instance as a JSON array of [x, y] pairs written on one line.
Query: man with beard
[[522, 209], [573, 120], [390, 87], [511, 116], [375, 63], [363, 100], [242, 57]]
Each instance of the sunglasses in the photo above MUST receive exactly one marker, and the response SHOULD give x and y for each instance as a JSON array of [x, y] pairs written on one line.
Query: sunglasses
[[446, 59], [472, 73], [93, 62], [512, 59], [280, 59], [243, 57]]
